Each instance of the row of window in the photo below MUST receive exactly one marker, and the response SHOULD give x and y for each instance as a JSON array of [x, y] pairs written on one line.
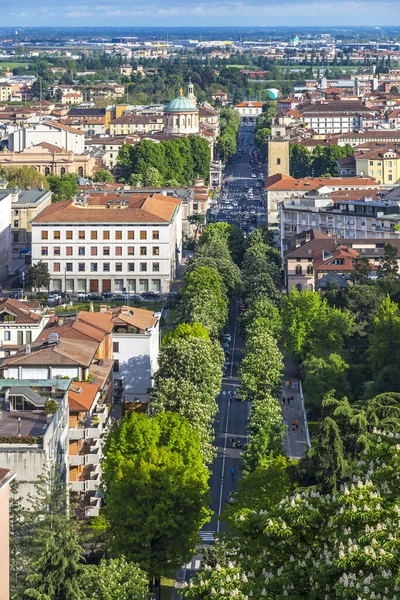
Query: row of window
[[299, 270], [94, 267], [95, 251], [20, 337], [106, 285], [94, 235]]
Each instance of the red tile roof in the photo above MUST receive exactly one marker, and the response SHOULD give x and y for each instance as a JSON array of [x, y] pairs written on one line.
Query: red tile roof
[[153, 208], [81, 396]]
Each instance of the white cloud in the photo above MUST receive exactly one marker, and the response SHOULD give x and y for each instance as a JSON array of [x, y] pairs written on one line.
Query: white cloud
[[76, 14]]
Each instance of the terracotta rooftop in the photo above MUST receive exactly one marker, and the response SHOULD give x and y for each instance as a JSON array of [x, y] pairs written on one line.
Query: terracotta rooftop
[[286, 183], [21, 310], [81, 396], [339, 258], [153, 208], [133, 317], [65, 352], [65, 128]]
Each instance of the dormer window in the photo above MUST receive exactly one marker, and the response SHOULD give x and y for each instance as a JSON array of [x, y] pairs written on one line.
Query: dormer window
[[6, 317]]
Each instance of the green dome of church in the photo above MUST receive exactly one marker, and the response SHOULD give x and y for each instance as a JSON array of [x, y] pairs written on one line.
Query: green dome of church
[[180, 104]]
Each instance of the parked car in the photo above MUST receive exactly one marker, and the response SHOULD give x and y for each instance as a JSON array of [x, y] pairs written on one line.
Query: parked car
[[150, 295]]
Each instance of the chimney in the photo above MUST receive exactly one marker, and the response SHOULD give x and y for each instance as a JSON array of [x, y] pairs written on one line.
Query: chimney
[[28, 349], [60, 321], [103, 308]]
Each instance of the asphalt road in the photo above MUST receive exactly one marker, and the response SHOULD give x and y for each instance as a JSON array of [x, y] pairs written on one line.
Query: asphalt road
[[231, 420]]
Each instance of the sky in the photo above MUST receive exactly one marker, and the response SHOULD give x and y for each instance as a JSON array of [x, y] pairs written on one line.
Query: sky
[[20, 13]]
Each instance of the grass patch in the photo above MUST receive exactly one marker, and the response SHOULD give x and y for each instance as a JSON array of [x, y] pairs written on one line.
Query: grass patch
[[251, 67], [12, 65]]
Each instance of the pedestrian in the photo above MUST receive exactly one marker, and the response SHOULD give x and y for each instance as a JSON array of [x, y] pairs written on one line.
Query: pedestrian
[[291, 398], [283, 400], [288, 401], [297, 424]]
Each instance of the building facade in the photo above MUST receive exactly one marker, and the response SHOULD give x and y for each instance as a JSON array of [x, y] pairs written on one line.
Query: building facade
[[5, 234], [62, 136], [25, 205], [31, 442], [110, 242], [136, 337]]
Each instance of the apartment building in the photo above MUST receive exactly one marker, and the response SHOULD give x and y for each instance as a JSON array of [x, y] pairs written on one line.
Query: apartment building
[[136, 336], [313, 259], [21, 322], [129, 124], [56, 134], [334, 116], [383, 165], [110, 242], [5, 234], [249, 111], [88, 426], [25, 205], [377, 136], [281, 187], [371, 217], [32, 441], [5, 92]]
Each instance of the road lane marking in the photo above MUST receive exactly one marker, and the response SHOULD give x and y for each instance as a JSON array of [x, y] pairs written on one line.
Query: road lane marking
[[223, 466], [234, 336]]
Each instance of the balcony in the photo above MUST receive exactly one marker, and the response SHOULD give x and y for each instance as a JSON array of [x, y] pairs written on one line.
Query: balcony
[[91, 428], [92, 457], [86, 481]]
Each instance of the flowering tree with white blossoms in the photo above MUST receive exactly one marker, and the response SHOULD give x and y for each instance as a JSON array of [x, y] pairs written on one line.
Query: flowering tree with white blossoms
[[218, 583], [313, 546]]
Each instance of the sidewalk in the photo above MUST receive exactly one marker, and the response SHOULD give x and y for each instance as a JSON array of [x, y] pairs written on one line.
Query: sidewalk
[[295, 440]]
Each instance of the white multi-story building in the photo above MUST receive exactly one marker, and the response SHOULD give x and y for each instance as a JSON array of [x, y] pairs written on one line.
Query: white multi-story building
[[351, 219], [280, 187], [110, 242], [5, 233], [335, 116], [249, 111], [57, 134], [30, 441], [20, 323], [136, 346]]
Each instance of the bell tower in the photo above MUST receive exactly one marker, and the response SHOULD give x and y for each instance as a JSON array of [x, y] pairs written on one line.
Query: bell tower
[[278, 151], [190, 92]]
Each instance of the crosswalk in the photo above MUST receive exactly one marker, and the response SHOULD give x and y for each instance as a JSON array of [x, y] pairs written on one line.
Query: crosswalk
[[207, 536]]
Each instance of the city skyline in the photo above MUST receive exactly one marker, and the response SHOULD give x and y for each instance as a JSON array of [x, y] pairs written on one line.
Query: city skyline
[[199, 13]]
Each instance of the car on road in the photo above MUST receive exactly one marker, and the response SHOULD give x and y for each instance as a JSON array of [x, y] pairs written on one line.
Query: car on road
[[227, 338]]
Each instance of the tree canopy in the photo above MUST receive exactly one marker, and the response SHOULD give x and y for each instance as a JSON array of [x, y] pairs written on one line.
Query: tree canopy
[[157, 491], [175, 162]]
